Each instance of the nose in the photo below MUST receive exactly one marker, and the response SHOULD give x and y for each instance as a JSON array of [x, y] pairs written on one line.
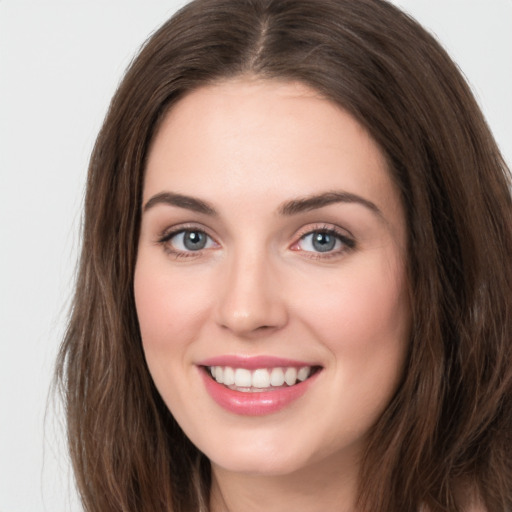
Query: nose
[[251, 301]]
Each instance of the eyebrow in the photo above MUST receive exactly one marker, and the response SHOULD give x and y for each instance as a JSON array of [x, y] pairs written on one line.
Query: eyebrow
[[181, 201], [320, 200], [288, 208]]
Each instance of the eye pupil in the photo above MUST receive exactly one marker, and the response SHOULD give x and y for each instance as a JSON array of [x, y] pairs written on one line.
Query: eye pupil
[[194, 240], [323, 242]]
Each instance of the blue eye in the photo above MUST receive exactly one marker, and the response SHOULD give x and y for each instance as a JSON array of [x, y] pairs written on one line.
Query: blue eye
[[325, 241], [321, 242], [188, 240]]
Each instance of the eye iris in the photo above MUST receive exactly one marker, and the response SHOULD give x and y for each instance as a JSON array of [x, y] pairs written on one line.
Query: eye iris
[[194, 240], [323, 242]]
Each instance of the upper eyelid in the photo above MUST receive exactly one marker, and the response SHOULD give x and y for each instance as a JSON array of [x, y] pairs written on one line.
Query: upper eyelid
[[346, 238], [170, 231], [324, 227], [164, 240], [347, 241]]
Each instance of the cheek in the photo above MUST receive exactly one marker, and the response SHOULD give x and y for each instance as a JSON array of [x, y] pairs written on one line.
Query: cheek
[[170, 312], [363, 321], [364, 324], [362, 306]]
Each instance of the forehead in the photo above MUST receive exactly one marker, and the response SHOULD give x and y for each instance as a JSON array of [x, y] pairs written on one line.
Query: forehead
[[245, 139]]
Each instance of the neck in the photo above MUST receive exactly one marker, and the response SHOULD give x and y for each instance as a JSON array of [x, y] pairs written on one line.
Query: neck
[[316, 488]]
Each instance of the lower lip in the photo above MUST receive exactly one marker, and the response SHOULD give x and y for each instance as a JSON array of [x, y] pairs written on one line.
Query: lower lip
[[257, 403]]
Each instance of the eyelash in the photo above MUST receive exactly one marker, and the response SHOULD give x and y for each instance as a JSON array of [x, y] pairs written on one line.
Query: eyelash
[[167, 236], [348, 244]]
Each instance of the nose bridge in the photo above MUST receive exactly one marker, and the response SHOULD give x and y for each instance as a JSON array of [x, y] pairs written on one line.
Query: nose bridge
[[250, 299]]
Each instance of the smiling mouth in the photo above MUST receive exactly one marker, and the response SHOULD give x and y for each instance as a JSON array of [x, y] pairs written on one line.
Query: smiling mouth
[[260, 379]]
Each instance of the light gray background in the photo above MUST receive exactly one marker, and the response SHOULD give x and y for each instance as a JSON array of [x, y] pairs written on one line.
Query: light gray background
[[60, 62]]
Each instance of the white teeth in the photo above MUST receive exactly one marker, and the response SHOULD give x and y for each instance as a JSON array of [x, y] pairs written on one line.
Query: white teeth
[[277, 377], [243, 378], [303, 373], [290, 376], [229, 376], [260, 378]]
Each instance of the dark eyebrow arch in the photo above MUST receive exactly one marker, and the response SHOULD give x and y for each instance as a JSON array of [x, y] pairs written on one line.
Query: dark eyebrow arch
[[181, 201], [304, 204], [291, 207]]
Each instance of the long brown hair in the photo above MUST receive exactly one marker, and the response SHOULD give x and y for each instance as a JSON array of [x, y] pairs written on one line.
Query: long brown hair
[[449, 426]]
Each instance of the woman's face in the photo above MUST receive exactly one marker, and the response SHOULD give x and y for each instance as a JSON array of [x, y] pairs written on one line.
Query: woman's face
[[271, 250]]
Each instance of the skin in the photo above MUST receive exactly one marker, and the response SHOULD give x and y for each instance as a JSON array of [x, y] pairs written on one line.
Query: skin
[[260, 287]]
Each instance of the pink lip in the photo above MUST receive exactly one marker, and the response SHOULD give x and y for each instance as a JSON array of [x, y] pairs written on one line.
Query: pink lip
[[253, 362], [258, 403]]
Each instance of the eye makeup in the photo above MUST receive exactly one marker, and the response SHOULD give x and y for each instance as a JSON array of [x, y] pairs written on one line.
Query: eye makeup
[[186, 241], [323, 241]]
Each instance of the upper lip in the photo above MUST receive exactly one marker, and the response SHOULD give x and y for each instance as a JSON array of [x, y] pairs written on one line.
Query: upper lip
[[253, 362]]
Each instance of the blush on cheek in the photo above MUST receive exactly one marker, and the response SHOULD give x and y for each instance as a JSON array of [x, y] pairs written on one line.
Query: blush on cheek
[[365, 322], [363, 316], [167, 308]]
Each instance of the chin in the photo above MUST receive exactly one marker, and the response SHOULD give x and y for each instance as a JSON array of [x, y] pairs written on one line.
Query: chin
[[270, 454], [258, 464]]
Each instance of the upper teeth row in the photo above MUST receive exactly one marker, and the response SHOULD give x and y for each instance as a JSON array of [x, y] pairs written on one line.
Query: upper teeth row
[[260, 378]]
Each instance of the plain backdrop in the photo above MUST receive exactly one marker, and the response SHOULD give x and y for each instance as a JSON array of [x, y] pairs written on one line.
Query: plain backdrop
[[60, 63]]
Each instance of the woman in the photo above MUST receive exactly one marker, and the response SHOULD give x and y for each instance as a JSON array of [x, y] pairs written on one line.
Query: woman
[[295, 282]]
